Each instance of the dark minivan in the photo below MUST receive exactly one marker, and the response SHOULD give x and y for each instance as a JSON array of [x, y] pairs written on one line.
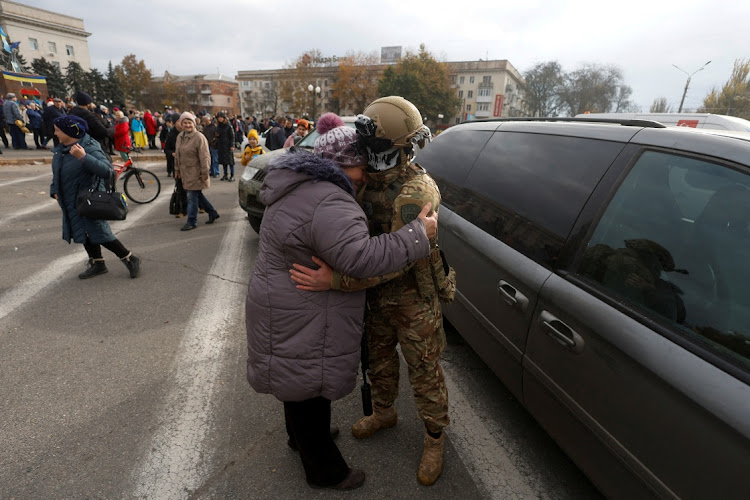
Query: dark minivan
[[604, 276]]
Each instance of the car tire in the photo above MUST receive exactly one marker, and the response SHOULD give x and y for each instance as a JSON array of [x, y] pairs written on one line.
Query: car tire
[[254, 223]]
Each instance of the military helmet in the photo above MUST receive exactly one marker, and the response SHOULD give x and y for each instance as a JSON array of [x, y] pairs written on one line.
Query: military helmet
[[390, 121]]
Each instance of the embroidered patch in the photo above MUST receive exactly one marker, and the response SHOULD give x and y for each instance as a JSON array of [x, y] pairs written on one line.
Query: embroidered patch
[[409, 213]]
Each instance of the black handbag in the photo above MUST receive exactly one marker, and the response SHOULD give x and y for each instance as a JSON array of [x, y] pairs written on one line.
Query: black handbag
[[102, 205], [178, 201]]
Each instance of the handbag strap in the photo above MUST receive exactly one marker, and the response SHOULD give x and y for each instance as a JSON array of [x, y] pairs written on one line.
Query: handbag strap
[[109, 182]]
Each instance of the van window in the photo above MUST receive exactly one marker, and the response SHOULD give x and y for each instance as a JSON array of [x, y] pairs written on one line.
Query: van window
[[449, 158], [528, 189], [673, 241]]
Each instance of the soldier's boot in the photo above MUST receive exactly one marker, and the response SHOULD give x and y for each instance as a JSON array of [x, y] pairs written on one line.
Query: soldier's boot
[[95, 268], [431, 464], [381, 418]]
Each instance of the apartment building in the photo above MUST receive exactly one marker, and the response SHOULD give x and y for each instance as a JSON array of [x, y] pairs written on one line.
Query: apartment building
[[213, 92], [487, 89], [57, 37]]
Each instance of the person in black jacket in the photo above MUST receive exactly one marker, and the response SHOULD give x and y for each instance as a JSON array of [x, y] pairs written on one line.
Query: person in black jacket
[[225, 145], [170, 145], [97, 130], [277, 136], [49, 115]]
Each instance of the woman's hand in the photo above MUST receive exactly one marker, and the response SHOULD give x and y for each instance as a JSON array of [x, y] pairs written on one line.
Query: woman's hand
[[430, 222], [312, 280], [77, 151]]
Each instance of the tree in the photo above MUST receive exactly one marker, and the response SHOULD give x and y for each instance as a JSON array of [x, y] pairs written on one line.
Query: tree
[[357, 78], [293, 85], [55, 80], [593, 88], [544, 82], [75, 78], [113, 87], [134, 77], [660, 106], [425, 82], [622, 102], [734, 97], [96, 84]]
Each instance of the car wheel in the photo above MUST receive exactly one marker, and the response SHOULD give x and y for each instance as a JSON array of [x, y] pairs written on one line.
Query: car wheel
[[254, 223]]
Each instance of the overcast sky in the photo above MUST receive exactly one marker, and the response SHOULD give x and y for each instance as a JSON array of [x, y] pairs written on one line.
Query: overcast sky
[[644, 38]]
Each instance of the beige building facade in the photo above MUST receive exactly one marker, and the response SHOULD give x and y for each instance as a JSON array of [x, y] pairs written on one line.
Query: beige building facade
[[58, 38], [487, 89]]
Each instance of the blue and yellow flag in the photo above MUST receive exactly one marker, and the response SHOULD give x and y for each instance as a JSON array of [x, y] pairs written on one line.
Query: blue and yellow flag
[[4, 37]]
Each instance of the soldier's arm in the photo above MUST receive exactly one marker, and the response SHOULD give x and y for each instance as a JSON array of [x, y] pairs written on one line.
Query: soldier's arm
[[348, 284], [410, 200]]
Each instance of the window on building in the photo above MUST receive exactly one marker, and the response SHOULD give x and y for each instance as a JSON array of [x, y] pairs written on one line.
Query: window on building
[[470, 94], [52, 47], [55, 64], [462, 80], [34, 44], [453, 78], [487, 79], [229, 100], [458, 120], [483, 106], [471, 79], [69, 50], [468, 107], [460, 93]]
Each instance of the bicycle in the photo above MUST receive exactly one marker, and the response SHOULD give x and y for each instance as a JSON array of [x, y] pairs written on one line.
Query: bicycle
[[146, 187]]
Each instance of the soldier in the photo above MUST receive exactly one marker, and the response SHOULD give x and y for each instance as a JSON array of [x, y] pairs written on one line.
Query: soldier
[[403, 307]]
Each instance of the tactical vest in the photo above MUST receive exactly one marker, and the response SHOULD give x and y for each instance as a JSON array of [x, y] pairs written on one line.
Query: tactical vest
[[379, 202]]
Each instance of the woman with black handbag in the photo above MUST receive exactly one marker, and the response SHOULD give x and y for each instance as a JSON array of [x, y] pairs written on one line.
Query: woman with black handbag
[[78, 160]]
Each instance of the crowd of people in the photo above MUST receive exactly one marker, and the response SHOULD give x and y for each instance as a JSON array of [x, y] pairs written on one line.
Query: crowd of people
[[348, 244]]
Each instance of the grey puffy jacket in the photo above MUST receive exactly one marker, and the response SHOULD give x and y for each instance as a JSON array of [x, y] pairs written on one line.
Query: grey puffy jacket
[[301, 344]]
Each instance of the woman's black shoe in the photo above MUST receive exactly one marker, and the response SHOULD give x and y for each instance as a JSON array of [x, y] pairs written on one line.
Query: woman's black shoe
[[188, 227], [354, 479]]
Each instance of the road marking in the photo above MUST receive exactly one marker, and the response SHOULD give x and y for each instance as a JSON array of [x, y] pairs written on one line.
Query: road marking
[[494, 471], [25, 179], [30, 287], [46, 204], [178, 459]]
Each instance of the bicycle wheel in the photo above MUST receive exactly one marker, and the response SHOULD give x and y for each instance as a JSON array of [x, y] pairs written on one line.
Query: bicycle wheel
[[142, 186]]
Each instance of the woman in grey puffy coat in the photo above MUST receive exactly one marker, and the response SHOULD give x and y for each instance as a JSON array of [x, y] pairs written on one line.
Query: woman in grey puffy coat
[[78, 160], [303, 347]]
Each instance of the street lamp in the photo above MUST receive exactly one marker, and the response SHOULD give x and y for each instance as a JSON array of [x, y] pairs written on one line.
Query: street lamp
[[315, 92], [687, 84]]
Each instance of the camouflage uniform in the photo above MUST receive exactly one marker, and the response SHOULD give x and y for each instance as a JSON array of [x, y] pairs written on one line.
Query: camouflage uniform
[[403, 307]]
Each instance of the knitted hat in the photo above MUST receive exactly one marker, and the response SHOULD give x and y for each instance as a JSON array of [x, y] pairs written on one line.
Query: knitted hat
[[303, 123], [253, 133], [338, 142], [187, 114], [82, 98], [71, 125]]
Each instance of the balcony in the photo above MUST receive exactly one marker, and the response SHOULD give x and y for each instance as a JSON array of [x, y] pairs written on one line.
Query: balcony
[[485, 98], [482, 114]]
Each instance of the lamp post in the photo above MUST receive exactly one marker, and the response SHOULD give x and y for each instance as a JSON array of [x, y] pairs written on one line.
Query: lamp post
[[315, 92], [687, 84]]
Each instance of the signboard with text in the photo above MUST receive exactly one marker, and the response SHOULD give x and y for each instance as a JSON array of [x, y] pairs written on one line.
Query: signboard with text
[[498, 105], [688, 123]]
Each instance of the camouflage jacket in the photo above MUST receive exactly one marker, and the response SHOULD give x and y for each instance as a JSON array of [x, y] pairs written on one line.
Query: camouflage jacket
[[391, 200]]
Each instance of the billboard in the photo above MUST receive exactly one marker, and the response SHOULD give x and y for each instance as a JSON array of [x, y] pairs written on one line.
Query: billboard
[[390, 55], [498, 111]]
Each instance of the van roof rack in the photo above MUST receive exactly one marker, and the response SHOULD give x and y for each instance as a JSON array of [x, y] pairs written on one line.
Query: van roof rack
[[627, 123]]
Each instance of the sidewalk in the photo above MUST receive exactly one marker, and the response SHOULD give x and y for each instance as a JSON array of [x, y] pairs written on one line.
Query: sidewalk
[[33, 156]]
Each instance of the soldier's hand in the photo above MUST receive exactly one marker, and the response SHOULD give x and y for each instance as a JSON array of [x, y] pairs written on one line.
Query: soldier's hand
[[312, 280], [430, 222]]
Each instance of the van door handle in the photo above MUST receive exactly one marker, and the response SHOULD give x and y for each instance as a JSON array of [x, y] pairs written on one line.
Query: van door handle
[[562, 333], [511, 296]]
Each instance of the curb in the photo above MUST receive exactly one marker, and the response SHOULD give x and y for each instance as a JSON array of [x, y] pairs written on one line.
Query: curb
[[47, 160]]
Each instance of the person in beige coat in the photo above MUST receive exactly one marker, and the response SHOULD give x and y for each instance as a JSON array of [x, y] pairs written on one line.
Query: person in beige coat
[[192, 163]]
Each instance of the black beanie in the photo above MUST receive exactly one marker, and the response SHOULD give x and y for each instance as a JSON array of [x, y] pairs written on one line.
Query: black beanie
[[82, 98]]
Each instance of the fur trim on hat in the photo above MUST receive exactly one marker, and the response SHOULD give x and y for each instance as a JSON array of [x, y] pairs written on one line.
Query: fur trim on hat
[[322, 169]]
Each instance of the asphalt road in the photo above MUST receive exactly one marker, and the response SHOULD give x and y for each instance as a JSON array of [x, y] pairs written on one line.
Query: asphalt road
[[120, 388]]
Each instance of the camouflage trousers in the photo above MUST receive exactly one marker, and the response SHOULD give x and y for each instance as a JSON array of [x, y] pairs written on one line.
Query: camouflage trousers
[[418, 328]]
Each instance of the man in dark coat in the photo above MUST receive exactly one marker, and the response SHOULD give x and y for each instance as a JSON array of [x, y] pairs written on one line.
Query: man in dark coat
[[277, 136], [97, 130], [225, 145], [49, 116]]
